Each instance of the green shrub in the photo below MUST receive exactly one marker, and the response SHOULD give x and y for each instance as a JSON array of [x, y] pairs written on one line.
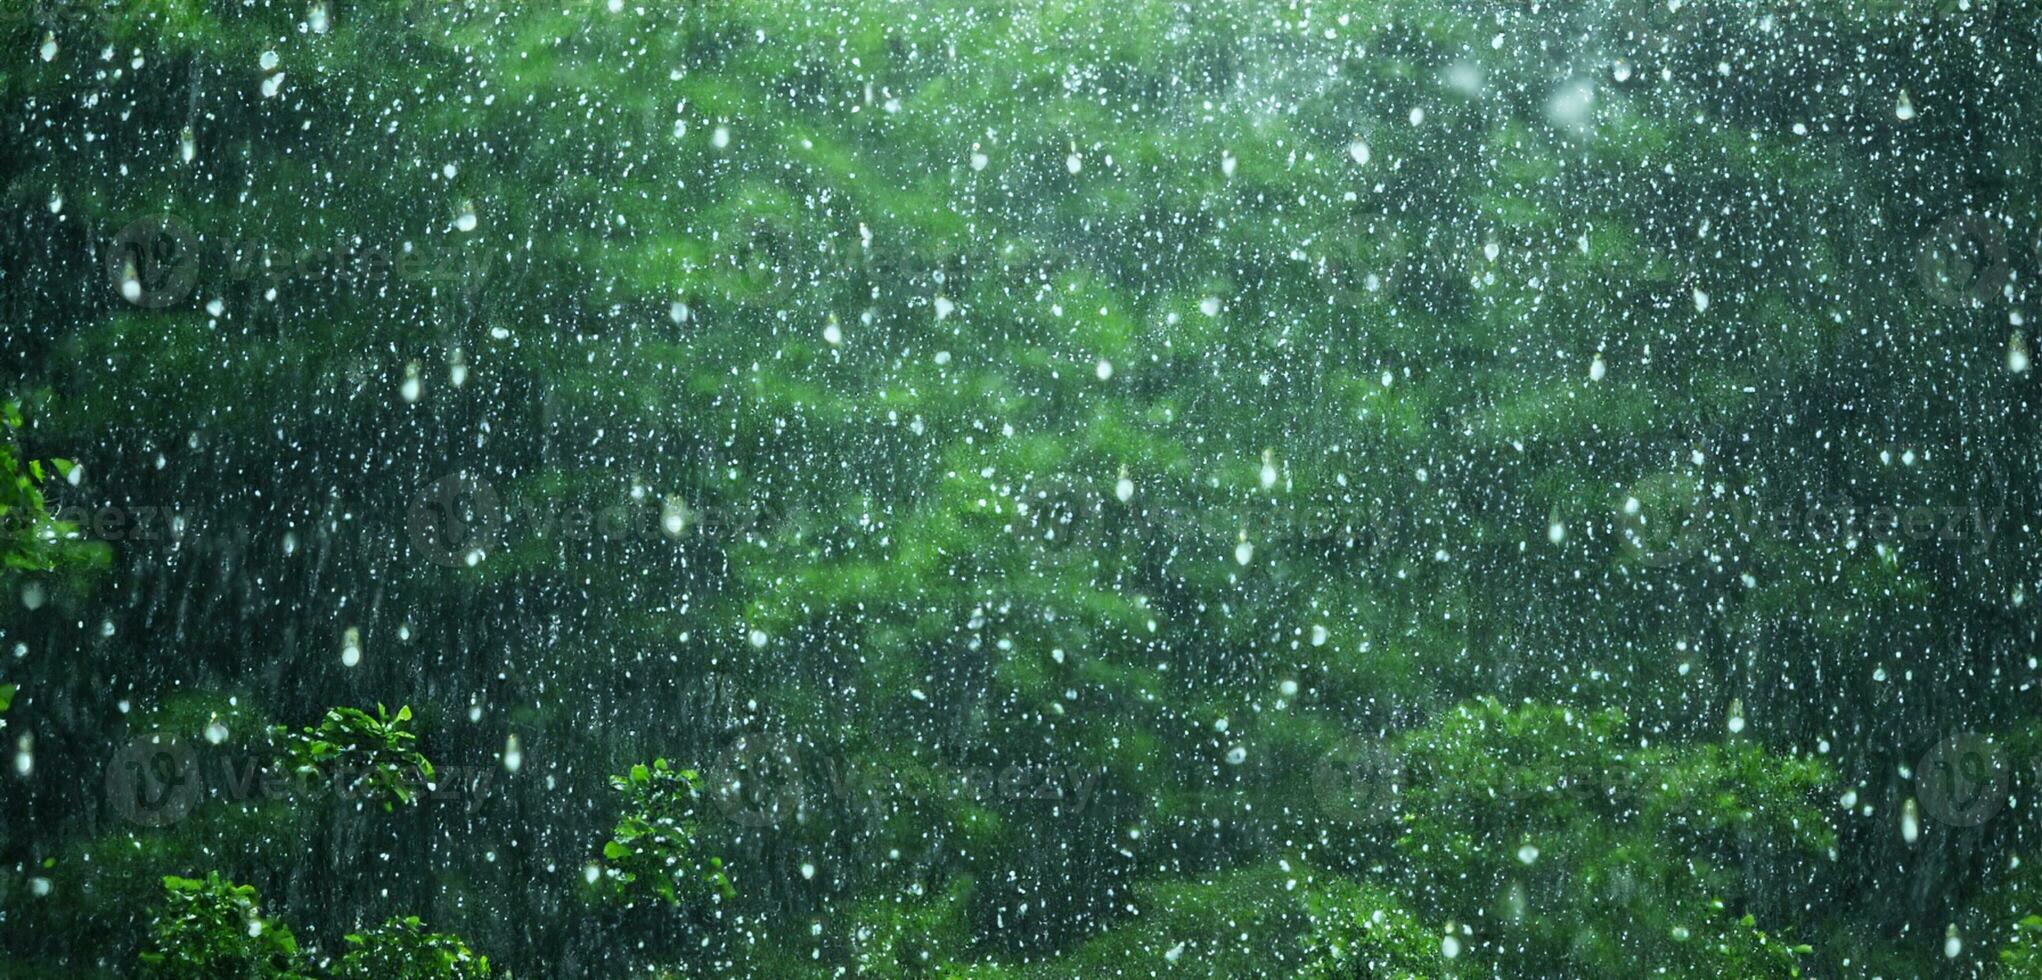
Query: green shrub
[[211, 929], [655, 848], [367, 756], [401, 949]]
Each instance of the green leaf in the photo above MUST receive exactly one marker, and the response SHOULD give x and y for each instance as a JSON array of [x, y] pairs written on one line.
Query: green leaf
[[6, 696], [615, 851]]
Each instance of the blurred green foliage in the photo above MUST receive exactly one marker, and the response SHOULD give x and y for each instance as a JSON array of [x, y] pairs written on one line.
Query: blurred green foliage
[[1253, 489]]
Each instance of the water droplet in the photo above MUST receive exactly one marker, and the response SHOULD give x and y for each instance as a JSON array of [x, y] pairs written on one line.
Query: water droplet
[[131, 281], [1358, 152]]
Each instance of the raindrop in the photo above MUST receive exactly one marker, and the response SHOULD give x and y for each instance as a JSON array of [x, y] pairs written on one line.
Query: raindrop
[[412, 384]]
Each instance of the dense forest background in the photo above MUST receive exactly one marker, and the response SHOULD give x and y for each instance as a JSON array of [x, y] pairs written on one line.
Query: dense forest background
[[1417, 488]]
